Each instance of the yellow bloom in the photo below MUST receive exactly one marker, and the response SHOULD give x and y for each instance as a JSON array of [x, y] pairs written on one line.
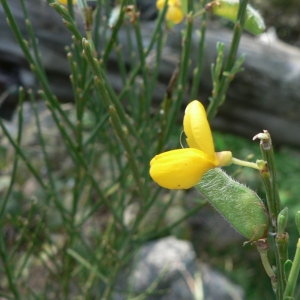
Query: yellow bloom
[[65, 2], [184, 168], [174, 12]]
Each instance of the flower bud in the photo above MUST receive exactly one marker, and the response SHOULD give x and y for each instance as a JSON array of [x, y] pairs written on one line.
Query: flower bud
[[240, 206], [282, 221]]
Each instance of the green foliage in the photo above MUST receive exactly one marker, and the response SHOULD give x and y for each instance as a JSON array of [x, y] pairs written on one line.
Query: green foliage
[[77, 199], [77, 194]]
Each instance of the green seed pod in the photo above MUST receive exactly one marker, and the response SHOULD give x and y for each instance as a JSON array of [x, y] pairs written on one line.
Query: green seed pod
[[240, 206], [228, 9], [282, 221]]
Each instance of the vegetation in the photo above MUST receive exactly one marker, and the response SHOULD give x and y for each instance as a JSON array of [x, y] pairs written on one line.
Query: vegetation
[[77, 200]]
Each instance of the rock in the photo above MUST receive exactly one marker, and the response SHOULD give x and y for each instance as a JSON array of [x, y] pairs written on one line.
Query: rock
[[167, 269], [265, 96]]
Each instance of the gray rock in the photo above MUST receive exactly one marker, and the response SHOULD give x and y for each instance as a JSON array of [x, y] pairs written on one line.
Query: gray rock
[[265, 96], [167, 269], [216, 286], [168, 256]]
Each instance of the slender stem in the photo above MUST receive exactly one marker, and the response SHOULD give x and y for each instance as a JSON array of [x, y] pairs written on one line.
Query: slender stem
[[70, 8], [67, 18], [292, 280], [8, 269], [124, 139], [152, 234], [245, 163], [110, 97], [33, 239], [263, 247], [183, 76], [268, 155], [16, 159], [22, 155], [198, 70], [86, 264], [115, 110], [282, 243], [79, 156], [145, 73], [57, 200], [165, 110], [152, 42], [200, 13], [33, 38], [268, 175], [219, 98], [110, 45], [33, 65], [37, 176], [96, 24], [3, 252]]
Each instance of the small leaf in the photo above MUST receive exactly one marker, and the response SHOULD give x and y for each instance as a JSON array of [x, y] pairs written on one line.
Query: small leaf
[[287, 268]]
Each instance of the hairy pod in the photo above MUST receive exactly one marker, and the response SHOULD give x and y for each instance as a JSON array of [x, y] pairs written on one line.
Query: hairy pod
[[228, 9], [240, 206]]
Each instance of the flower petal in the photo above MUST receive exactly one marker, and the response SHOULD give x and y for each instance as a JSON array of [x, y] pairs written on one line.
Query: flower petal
[[179, 169], [160, 4], [65, 2], [197, 130], [174, 14]]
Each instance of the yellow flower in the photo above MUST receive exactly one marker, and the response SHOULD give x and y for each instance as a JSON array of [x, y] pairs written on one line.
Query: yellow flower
[[184, 168], [174, 12], [65, 2]]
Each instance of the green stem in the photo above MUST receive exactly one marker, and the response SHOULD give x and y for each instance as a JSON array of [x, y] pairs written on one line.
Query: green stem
[[268, 155], [110, 96], [152, 42], [282, 242], [121, 133], [145, 73], [79, 156], [183, 76], [152, 234], [115, 110], [198, 70], [292, 280], [50, 193], [33, 38], [67, 19], [268, 175], [111, 44], [70, 8], [15, 166], [165, 111], [219, 98], [56, 198], [33, 65], [22, 155], [245, 163], [96, 24], [8, 269], [263, 247]]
